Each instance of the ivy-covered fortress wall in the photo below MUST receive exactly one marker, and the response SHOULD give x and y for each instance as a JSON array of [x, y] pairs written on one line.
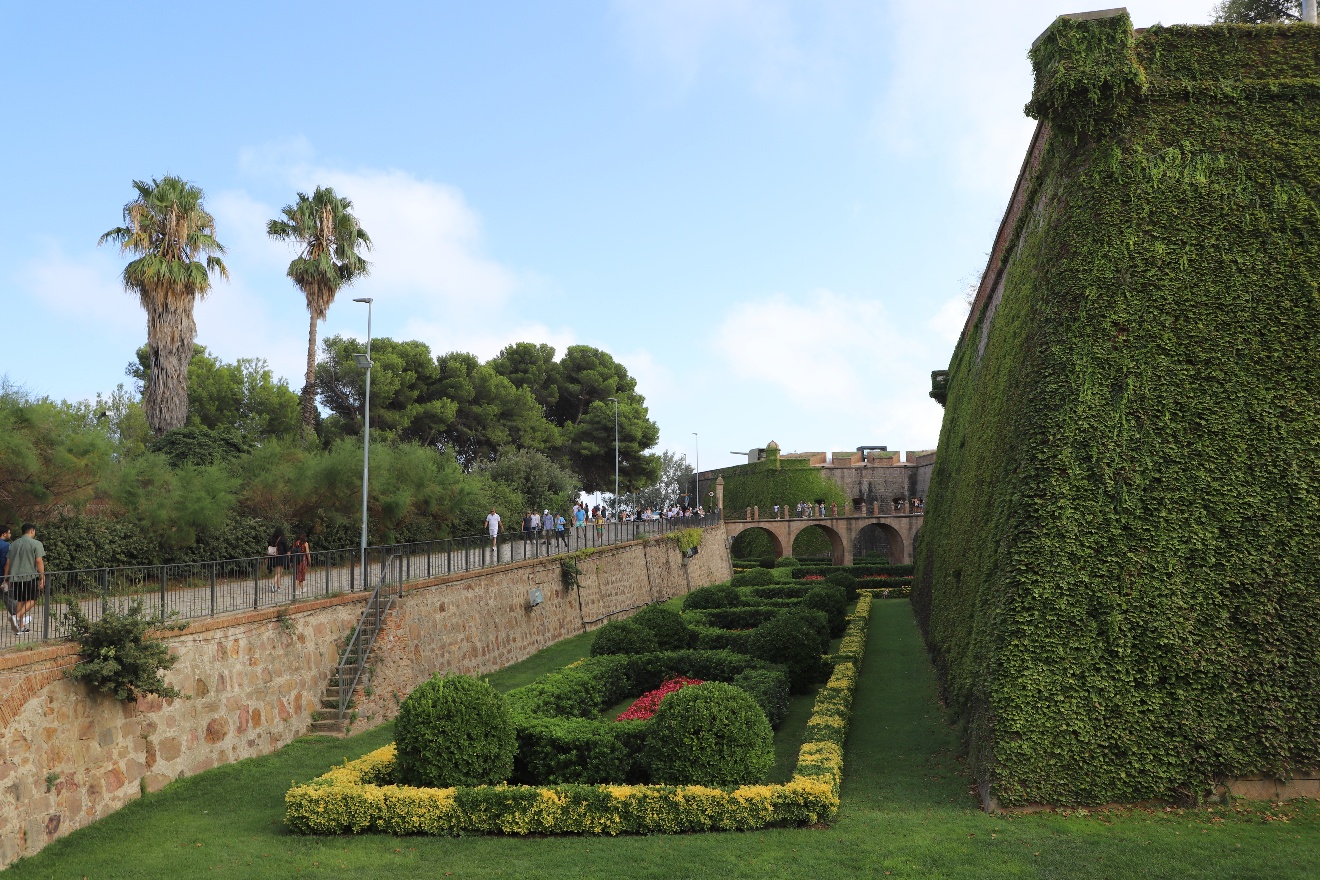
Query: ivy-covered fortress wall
[[1119, 573]]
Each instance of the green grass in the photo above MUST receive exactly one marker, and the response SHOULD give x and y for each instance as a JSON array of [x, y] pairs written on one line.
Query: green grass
[[907, 810]]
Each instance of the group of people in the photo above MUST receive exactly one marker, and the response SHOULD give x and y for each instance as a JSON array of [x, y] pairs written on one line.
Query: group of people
[[22, 575], [552, 528], [280, 555]]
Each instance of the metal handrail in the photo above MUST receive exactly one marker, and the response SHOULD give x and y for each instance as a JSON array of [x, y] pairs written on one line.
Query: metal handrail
[[353, 660]]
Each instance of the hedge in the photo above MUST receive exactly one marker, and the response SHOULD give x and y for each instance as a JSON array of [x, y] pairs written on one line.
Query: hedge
[[1119, 572], [356, 797], [857, 571]]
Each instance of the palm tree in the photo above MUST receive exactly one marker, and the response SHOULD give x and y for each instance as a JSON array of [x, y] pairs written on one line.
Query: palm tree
[[170, 231], [330, 237]]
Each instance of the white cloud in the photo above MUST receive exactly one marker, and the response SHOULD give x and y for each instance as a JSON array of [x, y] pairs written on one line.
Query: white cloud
[[85, 289], [779, 48], [949, 320]]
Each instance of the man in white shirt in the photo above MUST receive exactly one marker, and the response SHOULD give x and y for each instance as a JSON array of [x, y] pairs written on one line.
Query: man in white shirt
[[493, 526]]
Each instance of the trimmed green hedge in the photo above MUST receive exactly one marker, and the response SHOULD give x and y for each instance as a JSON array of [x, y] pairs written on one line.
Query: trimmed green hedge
[[858, 571], [1119, 571]]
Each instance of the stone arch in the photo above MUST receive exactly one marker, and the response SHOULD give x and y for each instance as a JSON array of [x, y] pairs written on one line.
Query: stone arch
[[838, 550], [872, 538], [898, 549], [775, 540]]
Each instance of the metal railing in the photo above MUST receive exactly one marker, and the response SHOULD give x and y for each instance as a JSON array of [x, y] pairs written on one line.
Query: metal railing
[[198, 590], [353, 660]]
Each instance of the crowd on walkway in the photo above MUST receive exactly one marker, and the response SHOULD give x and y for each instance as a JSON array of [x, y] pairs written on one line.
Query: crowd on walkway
[[554, 529]]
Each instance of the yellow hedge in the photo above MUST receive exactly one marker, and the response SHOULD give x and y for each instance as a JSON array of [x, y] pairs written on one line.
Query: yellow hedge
[[359, 795]]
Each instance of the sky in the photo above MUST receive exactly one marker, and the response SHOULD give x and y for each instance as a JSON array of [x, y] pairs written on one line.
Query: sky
[[768, 210]]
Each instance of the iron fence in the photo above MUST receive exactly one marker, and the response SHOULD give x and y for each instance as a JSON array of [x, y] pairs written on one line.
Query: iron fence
[[188, 591]]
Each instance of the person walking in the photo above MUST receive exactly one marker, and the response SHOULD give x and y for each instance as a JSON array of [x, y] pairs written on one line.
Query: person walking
[[493, 526], [277, 557], [561, 536], [4, 555], [25, 572], [302, 558]]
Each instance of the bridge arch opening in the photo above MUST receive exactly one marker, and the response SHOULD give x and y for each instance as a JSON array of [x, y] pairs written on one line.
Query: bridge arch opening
[[755, 542], [876, 539], [818, 543]]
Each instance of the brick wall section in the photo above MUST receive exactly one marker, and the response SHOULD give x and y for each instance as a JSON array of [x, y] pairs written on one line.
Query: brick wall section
[[253, 679], [445, 624]]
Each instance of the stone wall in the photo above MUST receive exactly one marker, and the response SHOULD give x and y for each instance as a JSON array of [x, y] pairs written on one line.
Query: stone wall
[[252, 680]]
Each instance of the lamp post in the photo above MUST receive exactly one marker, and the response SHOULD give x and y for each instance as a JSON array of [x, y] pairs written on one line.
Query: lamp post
[[364, 361], [616, 452], [696, 442]]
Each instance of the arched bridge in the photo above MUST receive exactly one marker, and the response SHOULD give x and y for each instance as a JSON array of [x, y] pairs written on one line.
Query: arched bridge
[[845, 532]]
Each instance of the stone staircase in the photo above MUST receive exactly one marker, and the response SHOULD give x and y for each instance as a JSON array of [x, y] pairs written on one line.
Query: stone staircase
[[335, 715]]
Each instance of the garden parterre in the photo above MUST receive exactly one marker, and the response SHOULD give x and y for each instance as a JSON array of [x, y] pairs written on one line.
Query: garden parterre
[[361, 797]]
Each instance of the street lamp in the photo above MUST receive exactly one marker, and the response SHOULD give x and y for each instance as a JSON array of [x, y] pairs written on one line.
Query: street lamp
[[696, 442], [616, 452], [364, 361]]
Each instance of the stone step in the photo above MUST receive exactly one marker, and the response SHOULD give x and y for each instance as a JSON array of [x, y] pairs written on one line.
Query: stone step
[[328, 727], [331, 703]]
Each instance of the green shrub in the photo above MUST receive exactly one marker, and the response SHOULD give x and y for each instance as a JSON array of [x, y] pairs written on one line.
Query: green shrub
[[833, 602], [717, 596], [767, 562], [570, 693], [454, 730], [671, 633], [736, 618], [623, 637], [755, 595], [711, 638], [574, 750], [794, 638], [757, 577], [846, 581], [709, 734], [769, 689], [116, 656], [786, 562]]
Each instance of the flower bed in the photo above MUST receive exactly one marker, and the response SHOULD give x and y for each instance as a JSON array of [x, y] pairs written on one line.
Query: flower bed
[[644, 706], [359, 797]]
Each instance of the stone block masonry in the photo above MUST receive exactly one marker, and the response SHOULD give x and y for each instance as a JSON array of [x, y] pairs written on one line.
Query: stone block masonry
[[252, 680]]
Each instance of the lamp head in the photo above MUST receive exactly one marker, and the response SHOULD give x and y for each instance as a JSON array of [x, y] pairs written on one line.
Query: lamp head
[[362, 361], [363, 299]]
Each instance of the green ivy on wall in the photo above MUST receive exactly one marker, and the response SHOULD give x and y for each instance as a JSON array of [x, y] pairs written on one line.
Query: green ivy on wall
[[1119, 572]]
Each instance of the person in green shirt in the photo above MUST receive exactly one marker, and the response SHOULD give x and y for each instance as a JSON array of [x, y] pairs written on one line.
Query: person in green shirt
[[25, 571]]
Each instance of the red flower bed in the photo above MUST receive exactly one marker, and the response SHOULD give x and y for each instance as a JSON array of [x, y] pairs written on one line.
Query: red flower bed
[[814, 577], [645, 705]]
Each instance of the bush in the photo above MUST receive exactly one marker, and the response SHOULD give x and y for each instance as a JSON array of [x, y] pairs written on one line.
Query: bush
[[573, 750], [776, 591], [786, 562], [670, 632], [736, 618], [846, 581], [453, 730], [710, 638], [794, 638], [767, 562], [623, 637], [757, 577], [717, 596], [770, 690], [833, 601], [709, 734], [116, 655]]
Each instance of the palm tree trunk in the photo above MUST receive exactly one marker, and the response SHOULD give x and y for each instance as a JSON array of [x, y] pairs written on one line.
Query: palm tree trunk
[[170, 334], [309, 386]]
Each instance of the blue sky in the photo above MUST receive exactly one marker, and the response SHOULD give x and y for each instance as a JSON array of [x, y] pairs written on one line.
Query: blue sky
[[768, 210]]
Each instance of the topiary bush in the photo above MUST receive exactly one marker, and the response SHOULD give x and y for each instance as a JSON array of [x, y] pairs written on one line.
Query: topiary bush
[[717, 596], [623, 637], [770, 690], [767, 562], [453, 730], [794, 638], [845, 580], [709, 734], [670, 632], [757, 577], [833, 602], [786, 562]]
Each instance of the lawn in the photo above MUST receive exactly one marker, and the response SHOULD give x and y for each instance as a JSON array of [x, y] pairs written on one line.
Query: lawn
[[907, 812]]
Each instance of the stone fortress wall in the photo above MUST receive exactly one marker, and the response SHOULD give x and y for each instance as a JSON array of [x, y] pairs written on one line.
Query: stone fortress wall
[[253, 680]]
